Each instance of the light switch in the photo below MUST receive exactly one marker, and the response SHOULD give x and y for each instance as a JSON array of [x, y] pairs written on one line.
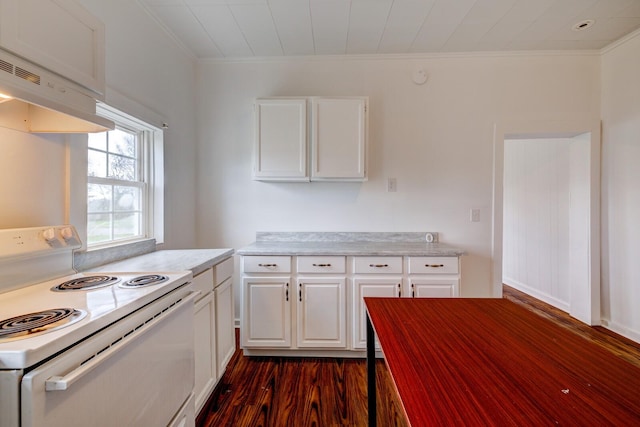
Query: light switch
[[475, 215]]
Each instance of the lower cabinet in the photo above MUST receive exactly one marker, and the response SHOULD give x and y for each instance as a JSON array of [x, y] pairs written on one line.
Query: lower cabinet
[[388, 287], [434, 277], [214, 329], [205, 339], [310, 303], [321, 313], [266, 318], [225, 328]]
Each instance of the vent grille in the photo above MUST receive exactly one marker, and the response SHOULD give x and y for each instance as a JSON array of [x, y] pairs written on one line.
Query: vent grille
[[27, 75], [6, 66]]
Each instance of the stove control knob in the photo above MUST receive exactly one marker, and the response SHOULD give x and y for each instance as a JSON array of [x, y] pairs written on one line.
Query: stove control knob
[[49, 234], [67, 233]]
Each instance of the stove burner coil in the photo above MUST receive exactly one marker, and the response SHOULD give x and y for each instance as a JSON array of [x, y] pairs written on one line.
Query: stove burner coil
[[40, 321], [87, 282], [146, 280]]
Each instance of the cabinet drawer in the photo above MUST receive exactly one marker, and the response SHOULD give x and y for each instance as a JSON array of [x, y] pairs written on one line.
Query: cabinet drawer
[[224, 270], [267, 264], [378, 265], [321, 264], [433, 265], [203, 282]]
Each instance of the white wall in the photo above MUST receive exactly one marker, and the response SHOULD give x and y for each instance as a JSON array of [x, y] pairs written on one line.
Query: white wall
[[621, 187], [146, 70], [436, 139], [536, 218]]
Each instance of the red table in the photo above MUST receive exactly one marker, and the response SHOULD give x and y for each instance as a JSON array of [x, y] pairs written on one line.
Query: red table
[[492, 362]]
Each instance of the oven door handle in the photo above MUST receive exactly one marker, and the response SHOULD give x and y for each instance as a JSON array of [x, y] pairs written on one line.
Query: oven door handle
[[58, 383]]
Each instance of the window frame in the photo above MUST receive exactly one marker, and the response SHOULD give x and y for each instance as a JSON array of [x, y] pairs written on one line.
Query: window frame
[[150, 158]]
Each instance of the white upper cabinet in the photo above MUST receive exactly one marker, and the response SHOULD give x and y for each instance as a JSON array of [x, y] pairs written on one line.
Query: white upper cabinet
[[281, 140], [335, 131], [338, 139], [59, 35]]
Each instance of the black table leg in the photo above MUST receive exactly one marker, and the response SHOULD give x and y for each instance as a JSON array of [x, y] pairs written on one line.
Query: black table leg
[[371, 373]]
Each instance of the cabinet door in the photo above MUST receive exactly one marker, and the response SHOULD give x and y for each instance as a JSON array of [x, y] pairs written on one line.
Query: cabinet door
[[369, 287], [267, 312], [205, 352], [321, 313], [280, 150], [225, 331], [434, 287], [56, 34], [338, 141]]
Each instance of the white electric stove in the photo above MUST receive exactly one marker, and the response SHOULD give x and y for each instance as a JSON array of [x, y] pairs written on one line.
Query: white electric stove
[[90, 348]]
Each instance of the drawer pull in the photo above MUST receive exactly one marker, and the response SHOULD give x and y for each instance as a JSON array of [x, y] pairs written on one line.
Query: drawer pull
[[434, 265], [378, 265], [321, 265], [267, 265]]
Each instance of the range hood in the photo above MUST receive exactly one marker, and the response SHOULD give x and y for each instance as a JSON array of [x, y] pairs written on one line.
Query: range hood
[[35, 100]]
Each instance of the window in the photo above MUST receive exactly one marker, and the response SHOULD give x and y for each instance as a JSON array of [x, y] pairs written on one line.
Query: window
[[122, 180]]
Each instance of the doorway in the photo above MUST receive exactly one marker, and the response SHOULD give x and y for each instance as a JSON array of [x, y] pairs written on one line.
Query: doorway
[[555, 256]]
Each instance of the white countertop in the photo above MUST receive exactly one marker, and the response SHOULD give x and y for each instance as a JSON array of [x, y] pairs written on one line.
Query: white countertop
[[195, 260]]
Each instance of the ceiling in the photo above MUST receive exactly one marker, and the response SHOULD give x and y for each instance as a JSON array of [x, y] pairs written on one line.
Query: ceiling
[[271, 28]]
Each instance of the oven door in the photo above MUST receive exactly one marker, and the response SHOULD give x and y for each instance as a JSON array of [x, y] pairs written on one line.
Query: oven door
[[138, 371]]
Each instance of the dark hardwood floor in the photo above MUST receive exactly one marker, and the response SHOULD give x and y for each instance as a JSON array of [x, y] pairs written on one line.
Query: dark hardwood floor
[[279, 391]]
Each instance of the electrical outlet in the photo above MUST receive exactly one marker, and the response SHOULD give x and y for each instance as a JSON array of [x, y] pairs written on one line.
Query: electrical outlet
[[392, 185], [475, 215]]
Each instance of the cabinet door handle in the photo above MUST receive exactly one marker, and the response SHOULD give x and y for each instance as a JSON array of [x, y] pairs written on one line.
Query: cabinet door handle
[[434, 265], [413, 290], [267, 265], [286, 292], [321, 265], [300, 291], [378, 265], [399, 290]]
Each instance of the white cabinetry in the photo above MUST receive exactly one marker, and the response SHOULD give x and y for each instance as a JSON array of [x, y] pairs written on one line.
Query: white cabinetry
[[56, 34], [280, 151], [434, 277], [336, 131], [266, 305], [267, 312], [321, 310], [315, 304], [205, 338], [373, 277], [338, 139], [225, 316], [214, 328]]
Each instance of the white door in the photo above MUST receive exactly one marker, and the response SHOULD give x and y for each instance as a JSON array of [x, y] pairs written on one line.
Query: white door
[[225, 331], [370, 287], [433, 287], [280, 149], [339, 136], [205, 352], [267, 312], [321, 312]]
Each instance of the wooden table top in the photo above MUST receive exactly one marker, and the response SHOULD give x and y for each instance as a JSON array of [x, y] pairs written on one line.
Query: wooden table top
[[492, 362]]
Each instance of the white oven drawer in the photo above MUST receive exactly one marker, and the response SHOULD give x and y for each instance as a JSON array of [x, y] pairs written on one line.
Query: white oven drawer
[[139, 371], [267, 264], [321, 264], [377, 265], [433, 265]]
